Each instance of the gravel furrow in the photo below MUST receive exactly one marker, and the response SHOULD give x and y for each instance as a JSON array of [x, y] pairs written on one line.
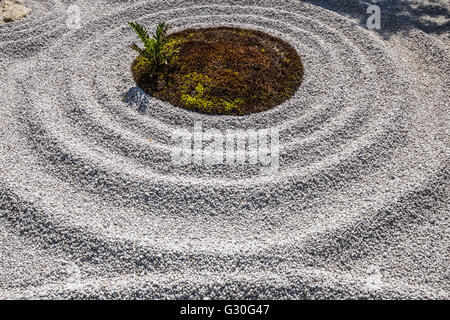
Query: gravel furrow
[[91, 205]]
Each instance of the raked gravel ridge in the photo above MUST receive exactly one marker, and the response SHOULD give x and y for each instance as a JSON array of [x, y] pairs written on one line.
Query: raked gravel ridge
[[91, 205]]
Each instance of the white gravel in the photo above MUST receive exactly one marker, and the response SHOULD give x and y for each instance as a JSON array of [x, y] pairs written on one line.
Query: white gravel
[[91, 208]]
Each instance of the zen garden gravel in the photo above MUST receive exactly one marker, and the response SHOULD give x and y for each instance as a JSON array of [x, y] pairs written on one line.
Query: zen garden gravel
[[92, 205]]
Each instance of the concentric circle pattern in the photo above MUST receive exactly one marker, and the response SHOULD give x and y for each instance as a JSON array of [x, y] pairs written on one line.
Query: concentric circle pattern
[[91, 204]]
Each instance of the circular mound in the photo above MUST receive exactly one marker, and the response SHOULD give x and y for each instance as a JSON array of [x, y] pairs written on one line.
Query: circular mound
[[226, 70]]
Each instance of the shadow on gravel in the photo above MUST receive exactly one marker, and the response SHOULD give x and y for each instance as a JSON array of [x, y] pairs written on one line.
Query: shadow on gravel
[[137, 99], [397, 16]]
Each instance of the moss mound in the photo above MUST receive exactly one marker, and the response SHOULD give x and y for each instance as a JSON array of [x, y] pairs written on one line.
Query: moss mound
[[224, 70]]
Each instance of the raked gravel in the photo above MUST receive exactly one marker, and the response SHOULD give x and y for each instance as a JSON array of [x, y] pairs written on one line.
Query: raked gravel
[[91, 205]]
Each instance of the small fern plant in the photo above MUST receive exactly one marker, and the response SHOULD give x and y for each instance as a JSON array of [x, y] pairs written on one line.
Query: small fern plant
[[156, 53]]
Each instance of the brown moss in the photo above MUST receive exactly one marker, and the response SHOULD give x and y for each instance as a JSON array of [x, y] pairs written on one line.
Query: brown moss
[[225, 70]]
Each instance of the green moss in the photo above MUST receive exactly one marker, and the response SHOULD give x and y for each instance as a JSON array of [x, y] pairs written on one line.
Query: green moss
[[195, 88], [232, 106], [198, 103], [196, 100], [196, 81], [142, 63], [200, 89], [210, 106], [175, 42], [244, 33]]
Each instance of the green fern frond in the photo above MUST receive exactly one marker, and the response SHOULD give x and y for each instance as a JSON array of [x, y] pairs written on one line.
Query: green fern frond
[[161, 32], [141, 31], [155, 53], [139, 50]]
